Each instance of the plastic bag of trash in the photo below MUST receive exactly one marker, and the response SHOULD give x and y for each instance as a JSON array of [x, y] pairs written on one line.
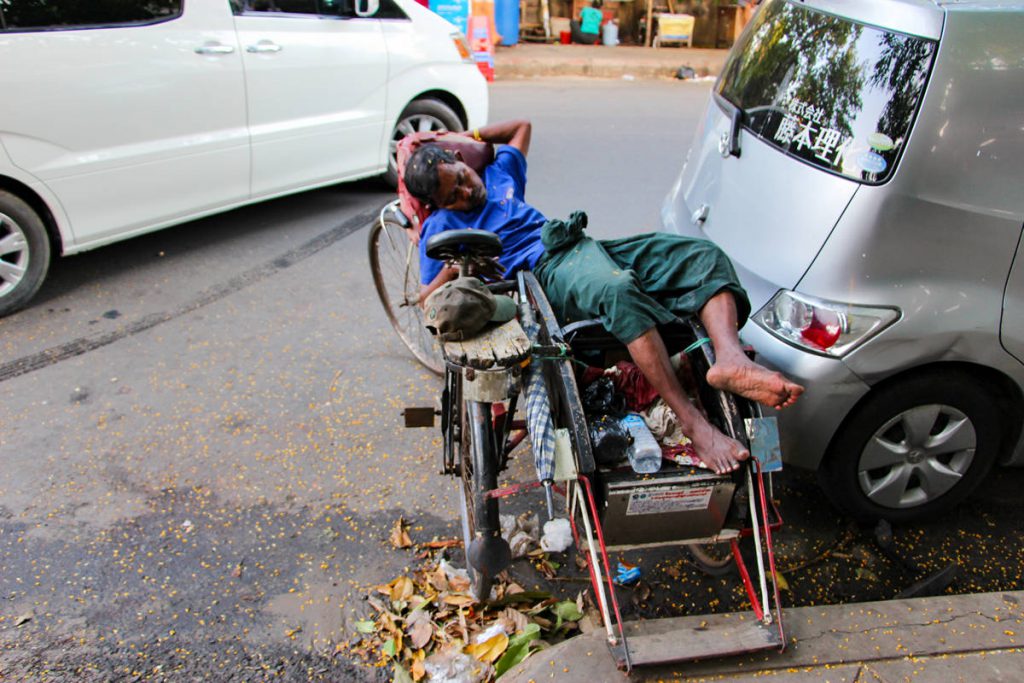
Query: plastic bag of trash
[[557, 536], [600, 398], [453, 666], [686, 73], [608, 439], [522, 532]]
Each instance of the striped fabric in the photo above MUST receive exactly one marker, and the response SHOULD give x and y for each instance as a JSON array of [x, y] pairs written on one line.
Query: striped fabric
[[538, 414]]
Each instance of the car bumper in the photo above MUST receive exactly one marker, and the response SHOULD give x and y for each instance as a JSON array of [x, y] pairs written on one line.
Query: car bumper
[[831, 391]]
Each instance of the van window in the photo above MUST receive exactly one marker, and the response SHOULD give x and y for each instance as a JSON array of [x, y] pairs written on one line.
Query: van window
[[387, 9], [836, 94], [44, 15]]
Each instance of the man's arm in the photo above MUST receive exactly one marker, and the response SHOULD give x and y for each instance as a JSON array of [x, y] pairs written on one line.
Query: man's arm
[[515, 133], [447, 273]]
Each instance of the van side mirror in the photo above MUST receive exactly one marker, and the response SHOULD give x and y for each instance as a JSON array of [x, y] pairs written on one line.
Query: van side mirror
[[367, 8]]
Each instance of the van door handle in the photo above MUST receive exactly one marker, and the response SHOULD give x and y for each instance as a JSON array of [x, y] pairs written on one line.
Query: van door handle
[[263, 46], [214, 48], [700, 214]]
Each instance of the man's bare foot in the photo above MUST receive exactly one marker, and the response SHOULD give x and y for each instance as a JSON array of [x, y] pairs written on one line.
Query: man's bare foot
[[716, 450], [750, 380]]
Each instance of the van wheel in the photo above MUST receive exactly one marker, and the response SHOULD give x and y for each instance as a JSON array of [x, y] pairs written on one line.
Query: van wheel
[[915, 449], [24, 253], [421, 116]]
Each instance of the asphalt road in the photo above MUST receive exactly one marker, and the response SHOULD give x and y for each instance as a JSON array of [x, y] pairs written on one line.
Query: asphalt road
[[200, 429], [201, 443]]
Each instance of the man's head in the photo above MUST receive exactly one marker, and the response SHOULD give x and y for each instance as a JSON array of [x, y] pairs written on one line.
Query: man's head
[[439, 178]]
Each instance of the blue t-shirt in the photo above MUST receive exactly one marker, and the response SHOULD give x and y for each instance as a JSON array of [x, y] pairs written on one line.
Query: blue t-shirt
[[506, 214]]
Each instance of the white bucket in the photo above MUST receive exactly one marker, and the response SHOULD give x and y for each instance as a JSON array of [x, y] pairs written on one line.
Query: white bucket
[[610, 33]]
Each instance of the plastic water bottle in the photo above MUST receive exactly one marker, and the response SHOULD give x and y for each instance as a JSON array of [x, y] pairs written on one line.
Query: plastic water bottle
[[644, 452]]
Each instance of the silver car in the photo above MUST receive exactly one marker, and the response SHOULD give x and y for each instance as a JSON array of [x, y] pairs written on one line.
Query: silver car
[[862, 164]]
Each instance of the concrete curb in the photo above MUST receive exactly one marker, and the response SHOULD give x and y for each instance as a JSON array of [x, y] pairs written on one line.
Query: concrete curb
[[963, 637], [553, 61]]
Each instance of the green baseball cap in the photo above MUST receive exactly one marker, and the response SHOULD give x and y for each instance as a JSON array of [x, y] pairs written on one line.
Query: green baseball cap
[[459, 309]]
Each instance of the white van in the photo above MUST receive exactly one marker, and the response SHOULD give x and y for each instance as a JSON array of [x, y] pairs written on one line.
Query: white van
[[126, 116]]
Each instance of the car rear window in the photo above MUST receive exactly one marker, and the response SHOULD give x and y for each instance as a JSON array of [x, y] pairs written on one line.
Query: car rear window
[[836, 94], [49, 15]]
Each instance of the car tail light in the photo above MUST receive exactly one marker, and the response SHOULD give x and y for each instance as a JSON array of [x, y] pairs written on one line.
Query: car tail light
[[462, 46], [830, 328]]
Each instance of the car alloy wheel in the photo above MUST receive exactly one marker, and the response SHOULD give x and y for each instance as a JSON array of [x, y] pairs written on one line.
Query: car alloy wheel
[[916, 457], [14, 254], [914, 447], [24, 252]]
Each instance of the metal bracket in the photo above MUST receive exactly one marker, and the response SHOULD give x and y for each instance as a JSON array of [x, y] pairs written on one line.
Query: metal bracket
[[489, 386]]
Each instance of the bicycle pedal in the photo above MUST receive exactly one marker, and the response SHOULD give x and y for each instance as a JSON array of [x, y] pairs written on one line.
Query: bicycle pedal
[[419, 417]]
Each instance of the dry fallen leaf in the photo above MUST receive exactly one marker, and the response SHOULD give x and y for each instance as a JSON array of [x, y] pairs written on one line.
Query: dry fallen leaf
[[421, 633], [513, 620], [23, 619], [489, 650], [444, 543], [641, 593], [418, 670], [458, 600], [400, 534], [402, 588], [438, 580]]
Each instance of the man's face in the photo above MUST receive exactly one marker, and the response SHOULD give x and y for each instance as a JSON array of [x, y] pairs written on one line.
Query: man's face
[[459, 188]]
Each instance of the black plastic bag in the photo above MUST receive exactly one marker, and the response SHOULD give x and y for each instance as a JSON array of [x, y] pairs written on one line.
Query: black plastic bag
[[600, 398], [609, 439]]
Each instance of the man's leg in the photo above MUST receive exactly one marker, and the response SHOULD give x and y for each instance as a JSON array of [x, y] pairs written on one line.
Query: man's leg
[[718, 451], [733, 371]]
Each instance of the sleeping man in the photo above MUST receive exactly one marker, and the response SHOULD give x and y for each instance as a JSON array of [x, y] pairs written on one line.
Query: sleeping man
[[631, 284]]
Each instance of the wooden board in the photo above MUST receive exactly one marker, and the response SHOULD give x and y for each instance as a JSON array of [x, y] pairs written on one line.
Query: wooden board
[[696, 637], [502, 346]]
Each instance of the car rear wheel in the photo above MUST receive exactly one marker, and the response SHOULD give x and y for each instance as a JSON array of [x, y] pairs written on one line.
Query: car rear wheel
[[421, 116], [915, 449], [24, 253]]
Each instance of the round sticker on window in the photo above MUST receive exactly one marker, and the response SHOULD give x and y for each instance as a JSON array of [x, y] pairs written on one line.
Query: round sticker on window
[[880, 142], [871, 162]]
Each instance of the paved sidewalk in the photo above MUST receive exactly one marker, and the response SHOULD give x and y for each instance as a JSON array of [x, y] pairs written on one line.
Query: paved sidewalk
[[541, 60], [972, 638]]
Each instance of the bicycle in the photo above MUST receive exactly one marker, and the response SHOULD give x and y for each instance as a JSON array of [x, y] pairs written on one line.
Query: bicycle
[[610, 508]]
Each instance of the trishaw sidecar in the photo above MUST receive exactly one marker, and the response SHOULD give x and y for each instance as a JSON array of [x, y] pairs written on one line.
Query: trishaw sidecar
[[610, 508]]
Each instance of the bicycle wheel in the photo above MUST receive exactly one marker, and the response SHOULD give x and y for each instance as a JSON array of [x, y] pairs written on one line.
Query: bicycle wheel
[[487, 553], [394, 262], [714, 559]]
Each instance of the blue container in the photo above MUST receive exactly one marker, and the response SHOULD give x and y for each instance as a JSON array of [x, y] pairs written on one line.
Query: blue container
[[506, 20]]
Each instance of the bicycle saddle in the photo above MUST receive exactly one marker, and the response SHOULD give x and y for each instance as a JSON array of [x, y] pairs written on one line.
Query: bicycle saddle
[[455, 244]]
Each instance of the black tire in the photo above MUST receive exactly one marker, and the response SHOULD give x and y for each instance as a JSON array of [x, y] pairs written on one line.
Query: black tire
[[395, 264], [420, 116], [479, 468], [24, 253], [914, 449], [714, 559]]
